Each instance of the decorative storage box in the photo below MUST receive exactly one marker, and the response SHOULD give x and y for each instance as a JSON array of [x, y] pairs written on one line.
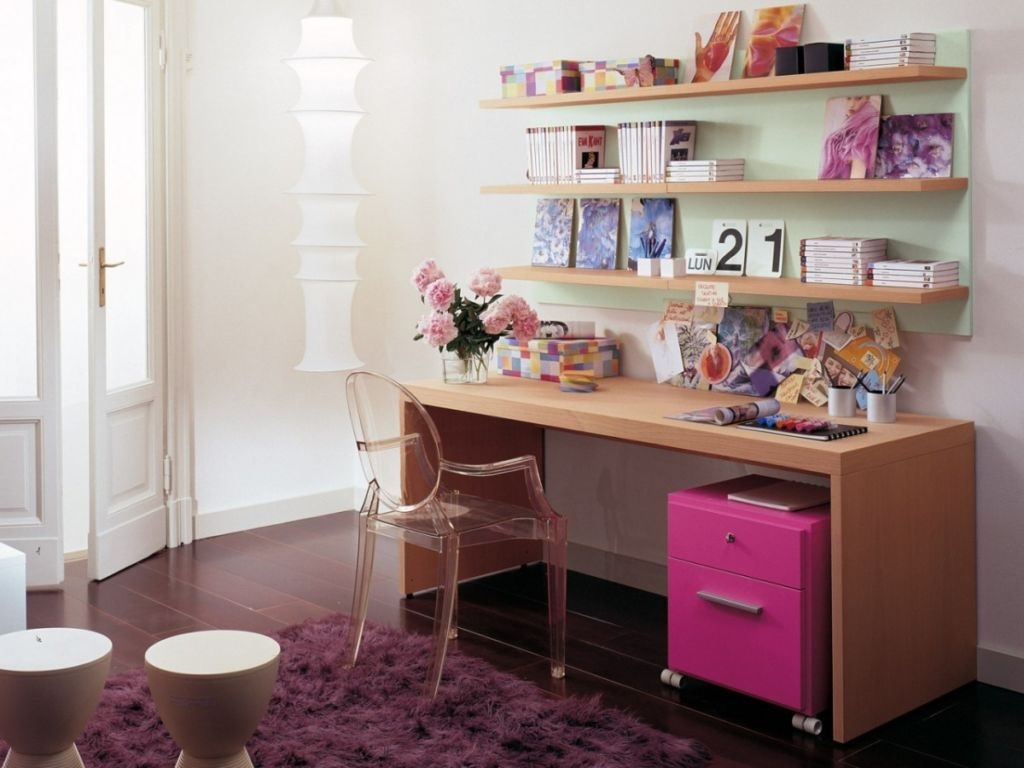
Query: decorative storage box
[[611, 74], [547, 359], [540, 79]]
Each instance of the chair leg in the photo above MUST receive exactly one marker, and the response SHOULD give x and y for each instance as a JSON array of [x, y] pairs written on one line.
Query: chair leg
[[444, 611], [555, 558], [361, 592]]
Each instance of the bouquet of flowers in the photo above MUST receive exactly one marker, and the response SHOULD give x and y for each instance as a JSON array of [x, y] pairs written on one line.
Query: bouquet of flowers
[[466, 327]]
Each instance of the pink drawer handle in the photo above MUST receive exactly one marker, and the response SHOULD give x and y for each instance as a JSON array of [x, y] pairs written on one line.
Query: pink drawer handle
[[728, 602]]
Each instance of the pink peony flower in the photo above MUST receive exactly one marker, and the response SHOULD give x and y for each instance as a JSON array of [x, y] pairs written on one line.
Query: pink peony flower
[[485, 282], [525, 326], [496, 318], [425, 274], [439, 294], [438, 328]]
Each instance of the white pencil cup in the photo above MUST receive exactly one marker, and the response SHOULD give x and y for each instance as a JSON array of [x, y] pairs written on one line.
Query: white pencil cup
[[882, 407], [842, 401]]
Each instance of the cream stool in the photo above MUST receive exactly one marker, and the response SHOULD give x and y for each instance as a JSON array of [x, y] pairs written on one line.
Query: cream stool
[[50, 683], [211, 690]]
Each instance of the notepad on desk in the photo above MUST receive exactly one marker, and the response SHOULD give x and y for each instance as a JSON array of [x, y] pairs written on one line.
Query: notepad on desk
[[787, 495], [810, 429]]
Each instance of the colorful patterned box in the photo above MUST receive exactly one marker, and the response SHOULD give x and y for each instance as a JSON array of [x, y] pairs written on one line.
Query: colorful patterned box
[[612, 73], [548, 358], [540, 79]]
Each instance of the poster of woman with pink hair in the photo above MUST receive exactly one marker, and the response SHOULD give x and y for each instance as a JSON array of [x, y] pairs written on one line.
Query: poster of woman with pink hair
[[851, 137]]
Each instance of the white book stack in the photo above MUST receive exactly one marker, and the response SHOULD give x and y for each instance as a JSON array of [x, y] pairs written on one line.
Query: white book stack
[[915, 273], [645, 148], [840, 260], [704, 170], [597, 176], [891, 51]]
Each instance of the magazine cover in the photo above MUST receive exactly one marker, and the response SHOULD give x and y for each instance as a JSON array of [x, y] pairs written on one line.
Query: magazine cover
[[598, 241], [589, 146], [552, 232], [851, 137], [740, 331], [777, 27], [915, 146], [650, 228], [714, 48], [680, 137]]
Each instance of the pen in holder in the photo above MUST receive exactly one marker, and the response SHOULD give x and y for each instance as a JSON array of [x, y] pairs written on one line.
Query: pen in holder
[[882, 407]]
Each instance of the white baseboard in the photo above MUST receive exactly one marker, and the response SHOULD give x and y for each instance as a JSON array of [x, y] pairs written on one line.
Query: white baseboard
[[222, 521], [622, 569], [1001, 668]]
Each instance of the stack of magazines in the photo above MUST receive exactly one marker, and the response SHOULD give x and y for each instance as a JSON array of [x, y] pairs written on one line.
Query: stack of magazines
[[704, 170], [840, 260], [916, 273], [891, 50], [597, 176]]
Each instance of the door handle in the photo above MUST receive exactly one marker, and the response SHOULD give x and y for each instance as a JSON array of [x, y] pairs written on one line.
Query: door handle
[[104, 265]]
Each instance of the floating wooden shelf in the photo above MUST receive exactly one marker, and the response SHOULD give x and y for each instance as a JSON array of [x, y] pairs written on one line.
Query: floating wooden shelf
[[866, 77], [753, 286], [733, 187]]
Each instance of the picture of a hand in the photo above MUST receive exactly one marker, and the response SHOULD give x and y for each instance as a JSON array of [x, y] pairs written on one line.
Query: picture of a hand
[[710, 56]]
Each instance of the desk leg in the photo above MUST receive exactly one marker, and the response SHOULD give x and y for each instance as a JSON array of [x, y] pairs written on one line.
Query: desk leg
[[466, 437], [904, 605]]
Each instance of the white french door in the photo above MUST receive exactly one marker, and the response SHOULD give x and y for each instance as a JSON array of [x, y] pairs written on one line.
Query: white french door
[[126, 266], [30, 511]]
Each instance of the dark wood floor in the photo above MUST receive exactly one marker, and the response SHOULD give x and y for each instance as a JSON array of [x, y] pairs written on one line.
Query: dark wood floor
[[266, 579]]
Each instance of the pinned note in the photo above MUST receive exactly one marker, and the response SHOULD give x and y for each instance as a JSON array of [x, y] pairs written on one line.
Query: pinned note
[[678, 312], [886, 334], [821, 315], [708, 294], [789, 390]]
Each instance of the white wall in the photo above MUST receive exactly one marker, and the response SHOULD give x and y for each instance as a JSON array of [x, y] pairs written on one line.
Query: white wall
[[265, 432]]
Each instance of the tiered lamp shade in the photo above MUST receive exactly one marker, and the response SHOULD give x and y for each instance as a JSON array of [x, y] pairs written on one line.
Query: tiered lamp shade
[[327, 63]]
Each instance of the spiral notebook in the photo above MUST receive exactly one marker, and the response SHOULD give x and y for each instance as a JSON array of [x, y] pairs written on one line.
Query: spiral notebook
[[836, 432]]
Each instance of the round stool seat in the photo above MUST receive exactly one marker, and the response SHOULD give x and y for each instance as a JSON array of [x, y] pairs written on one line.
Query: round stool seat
[[211, 690], [50, 683]]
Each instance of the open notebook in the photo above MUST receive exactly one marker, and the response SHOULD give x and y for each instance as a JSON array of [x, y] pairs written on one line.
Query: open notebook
[[786, 495]]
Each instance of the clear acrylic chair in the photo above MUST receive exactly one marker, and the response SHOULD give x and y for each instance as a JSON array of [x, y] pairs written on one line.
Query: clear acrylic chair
[[408, 499]]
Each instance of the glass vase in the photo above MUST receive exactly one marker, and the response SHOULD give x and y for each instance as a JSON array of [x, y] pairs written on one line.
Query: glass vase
[[468, 369]]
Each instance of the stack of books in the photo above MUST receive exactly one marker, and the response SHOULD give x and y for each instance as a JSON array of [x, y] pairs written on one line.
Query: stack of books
[[646, 147], [597, 176], [555, 153], [891, 50], [840, 260], [704, 170], [915, 273]]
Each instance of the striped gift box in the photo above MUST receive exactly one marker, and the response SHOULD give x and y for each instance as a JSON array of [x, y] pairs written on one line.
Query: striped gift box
[[547, 359]]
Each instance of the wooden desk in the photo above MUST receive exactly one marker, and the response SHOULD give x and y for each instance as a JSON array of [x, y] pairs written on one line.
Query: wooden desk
[[904, 615]]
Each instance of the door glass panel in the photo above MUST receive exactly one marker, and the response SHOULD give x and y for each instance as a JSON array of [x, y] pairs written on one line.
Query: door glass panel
[[18, 327], [127, 193]]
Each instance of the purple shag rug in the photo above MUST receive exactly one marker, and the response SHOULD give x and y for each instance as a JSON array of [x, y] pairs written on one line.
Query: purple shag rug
[[374, 715]]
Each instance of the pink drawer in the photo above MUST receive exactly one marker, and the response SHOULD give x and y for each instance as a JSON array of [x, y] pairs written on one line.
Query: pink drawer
[[753, 645], [751, 541]]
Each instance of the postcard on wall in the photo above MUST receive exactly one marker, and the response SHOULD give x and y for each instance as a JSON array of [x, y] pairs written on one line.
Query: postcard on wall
[[597, 244], [915, 146], [714, 48], [650, 228], [777, 27], [552, 232], [665, 352], [886, 332], [851, 137]]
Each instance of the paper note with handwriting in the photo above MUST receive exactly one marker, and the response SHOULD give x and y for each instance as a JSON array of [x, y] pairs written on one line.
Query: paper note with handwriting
[[709, 294], [821, 315]]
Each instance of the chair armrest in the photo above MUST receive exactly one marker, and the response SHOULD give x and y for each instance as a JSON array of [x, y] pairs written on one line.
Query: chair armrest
[[525, 464]]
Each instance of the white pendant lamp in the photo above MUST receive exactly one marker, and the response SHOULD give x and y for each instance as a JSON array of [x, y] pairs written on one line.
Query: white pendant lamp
[[327, 63]]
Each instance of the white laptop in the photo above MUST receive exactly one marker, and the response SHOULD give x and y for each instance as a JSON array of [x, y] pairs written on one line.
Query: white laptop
[[787, 495]]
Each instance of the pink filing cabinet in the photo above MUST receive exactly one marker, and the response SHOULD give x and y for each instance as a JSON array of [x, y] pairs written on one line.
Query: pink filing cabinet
[[749, 595]]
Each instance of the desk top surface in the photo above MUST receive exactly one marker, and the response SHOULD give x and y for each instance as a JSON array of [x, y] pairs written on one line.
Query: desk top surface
[[635, 411]]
